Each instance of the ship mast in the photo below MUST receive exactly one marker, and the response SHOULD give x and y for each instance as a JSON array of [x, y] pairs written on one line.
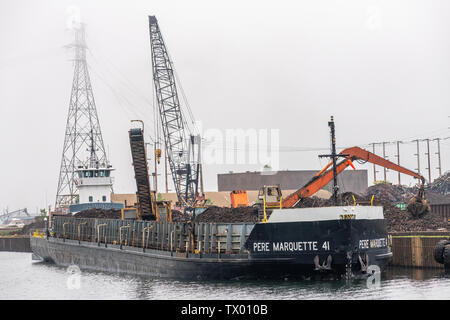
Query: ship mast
[[334, 158]]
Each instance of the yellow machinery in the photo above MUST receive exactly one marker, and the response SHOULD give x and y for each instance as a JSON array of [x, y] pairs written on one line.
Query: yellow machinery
[[271, 198], [158, 155], [163, 211], [130, 213]]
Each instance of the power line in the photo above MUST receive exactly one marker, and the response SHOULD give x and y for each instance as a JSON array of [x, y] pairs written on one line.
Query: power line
[[131, 88]]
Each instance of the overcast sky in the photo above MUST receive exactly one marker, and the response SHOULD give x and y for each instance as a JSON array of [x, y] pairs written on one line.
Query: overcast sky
[[382, 68]]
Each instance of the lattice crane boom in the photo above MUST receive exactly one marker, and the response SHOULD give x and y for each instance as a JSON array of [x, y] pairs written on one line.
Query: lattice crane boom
[[183, 148]]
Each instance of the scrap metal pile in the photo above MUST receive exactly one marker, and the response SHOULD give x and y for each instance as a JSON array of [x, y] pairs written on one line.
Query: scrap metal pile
[[99, 213], [391, 193], [178, 216], [385, 194], [30, 227], [397, 220], [230, 215], [437, 191], [441, 185]]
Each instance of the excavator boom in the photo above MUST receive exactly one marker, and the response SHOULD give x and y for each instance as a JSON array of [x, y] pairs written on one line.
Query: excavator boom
[[356, 153], [315, 184], [322, 178]]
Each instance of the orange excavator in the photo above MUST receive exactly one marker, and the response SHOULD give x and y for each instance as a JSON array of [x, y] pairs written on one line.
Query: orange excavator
[[417, 206]]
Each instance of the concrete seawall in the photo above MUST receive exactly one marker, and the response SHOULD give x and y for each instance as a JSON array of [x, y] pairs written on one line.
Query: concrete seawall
[[15, 243], [416, 249]]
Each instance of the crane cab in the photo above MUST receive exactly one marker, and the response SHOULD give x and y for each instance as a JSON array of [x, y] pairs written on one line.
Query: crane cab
[[162, 210], [270, 198], [270, 194]]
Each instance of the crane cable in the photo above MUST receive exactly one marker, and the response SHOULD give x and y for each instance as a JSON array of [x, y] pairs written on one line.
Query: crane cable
[[186, 102], [129, 107]]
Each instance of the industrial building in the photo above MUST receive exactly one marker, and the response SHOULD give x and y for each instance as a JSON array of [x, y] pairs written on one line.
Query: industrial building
[[355, 181]]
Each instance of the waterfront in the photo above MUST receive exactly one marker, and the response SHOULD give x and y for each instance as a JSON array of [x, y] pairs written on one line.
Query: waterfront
[[24, 279]]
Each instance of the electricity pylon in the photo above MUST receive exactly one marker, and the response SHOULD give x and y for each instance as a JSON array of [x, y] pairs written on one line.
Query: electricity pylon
[[83, 139]]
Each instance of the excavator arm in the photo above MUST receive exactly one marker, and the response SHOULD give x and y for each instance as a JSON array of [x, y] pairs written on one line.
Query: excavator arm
[[356, 153], [319, 181], [417, 205]]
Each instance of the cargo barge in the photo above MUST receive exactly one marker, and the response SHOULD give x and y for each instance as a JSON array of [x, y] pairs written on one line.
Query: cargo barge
[[299, 243]]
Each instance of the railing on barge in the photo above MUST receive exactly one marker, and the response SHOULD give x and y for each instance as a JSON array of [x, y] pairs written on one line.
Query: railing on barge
[[225, 238]]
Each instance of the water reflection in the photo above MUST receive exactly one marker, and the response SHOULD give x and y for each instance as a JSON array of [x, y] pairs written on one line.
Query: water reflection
[[414, 273], [396, 283]]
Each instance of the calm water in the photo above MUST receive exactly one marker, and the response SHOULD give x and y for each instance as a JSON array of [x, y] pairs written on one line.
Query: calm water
[[22, 278]]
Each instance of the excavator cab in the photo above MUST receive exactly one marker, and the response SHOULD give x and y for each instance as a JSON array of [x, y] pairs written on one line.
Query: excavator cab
[[270, 194], [164, 210], [199, 205], [270, 198]]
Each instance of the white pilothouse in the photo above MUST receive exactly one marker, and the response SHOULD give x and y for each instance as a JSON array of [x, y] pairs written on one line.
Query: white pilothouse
[[94, 184]]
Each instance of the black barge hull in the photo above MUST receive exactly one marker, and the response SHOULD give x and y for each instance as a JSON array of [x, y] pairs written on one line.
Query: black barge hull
[[337, 248]]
